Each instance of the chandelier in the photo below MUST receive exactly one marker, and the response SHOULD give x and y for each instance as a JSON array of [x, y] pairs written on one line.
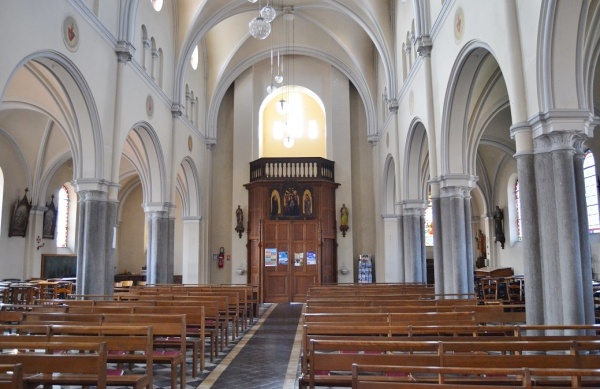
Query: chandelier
[[260, 26]]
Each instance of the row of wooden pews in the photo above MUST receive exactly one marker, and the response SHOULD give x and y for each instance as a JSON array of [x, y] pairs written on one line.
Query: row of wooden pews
[[178, 320], [399, 335]]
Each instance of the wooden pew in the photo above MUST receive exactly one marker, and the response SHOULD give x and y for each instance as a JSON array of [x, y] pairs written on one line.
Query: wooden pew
[[374, 376], [60, 318], [125, 344], [162, 326], [326, 356], [195, 331], [11, 376], [54, 366]]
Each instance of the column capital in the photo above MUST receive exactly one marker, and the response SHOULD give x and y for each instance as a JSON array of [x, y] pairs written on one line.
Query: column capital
[[462, 192], [559, 141], [409, 205], [565, 120], [91, 184], [159, 208], [457, 181], [91, 195]]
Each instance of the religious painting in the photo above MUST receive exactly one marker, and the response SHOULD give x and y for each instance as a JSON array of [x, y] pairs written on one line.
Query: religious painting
[[291, 201], [49, 227], [307, 203], [58, 266], [20, 217], [275, 210]]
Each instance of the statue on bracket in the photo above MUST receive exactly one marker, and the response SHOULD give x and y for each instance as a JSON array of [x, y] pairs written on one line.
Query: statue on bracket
[[499, 226]]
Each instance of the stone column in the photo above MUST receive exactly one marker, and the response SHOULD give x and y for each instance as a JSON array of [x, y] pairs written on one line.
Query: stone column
[[438, 252], [413, 239], [586, 255], [92, 234], [530, 230], [548, 233], [469, 243], [568, 228], [109, 253], [561, 218], [455, 222], [171, 250], [157, 251]]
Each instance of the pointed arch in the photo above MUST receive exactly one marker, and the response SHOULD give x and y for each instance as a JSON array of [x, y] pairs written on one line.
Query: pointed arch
[[79, 118], [188, 188], [143, 149], [416, 162]]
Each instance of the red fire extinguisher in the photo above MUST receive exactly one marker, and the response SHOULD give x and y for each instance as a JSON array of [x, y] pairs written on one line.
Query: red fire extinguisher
[[221, 256]]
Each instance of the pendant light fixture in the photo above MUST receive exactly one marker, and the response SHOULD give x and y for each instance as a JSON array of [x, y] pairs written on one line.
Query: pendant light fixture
[[259, 27]]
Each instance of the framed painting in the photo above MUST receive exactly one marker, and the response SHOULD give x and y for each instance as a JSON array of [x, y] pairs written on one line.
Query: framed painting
[[58, 266], [20, 217], [49, 228]]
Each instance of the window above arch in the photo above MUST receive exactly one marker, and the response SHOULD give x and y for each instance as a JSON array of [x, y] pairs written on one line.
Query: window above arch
[[157, 4], [591, 192], [292, 124]]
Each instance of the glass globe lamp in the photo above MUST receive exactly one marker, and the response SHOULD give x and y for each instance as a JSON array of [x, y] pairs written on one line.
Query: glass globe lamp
[[259, 28], [268, 13]]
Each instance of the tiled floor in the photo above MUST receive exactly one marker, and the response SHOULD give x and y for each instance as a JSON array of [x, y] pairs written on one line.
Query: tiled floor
[[266, 356]]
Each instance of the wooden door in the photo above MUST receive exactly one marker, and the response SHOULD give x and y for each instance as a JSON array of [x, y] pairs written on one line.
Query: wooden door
[[291, 261]]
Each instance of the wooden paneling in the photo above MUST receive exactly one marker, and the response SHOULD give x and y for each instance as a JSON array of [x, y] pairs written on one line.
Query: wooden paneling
[[285, 283]]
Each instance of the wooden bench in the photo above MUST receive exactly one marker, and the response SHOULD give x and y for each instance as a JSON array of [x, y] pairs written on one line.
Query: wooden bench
[[163, 326], [60, 363], [195, 331], [125, 344], [327, 356], [370, 376], [11, 376]]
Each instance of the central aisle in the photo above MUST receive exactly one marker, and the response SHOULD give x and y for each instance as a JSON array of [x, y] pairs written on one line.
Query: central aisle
[[267, 357]]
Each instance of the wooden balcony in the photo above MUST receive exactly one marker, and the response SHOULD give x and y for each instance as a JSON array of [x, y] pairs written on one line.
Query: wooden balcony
[[265, 169]]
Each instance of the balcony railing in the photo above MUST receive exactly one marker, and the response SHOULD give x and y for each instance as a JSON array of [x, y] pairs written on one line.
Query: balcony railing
[[291, 168]]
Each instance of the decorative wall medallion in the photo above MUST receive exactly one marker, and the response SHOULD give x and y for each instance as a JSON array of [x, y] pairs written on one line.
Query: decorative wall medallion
[[70, 33], [190, 143], [459, 25], [149, 106]]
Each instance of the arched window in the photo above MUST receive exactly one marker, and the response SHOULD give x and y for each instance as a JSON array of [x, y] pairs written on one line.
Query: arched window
[[591, 192], [62, 217], [429, 224], [518, 210]]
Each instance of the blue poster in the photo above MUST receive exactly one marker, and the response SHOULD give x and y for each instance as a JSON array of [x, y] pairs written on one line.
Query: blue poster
[[311, 258], [283, 258]]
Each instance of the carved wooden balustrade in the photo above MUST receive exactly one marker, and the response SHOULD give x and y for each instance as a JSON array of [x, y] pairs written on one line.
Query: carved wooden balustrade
[[291, 168]]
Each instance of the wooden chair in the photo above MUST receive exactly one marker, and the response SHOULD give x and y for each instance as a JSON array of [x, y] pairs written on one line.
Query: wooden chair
[[21, 294], [489, 289], [63, 290]]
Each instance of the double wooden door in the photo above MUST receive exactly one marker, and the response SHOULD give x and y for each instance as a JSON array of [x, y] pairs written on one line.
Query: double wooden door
[[292, 259]]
